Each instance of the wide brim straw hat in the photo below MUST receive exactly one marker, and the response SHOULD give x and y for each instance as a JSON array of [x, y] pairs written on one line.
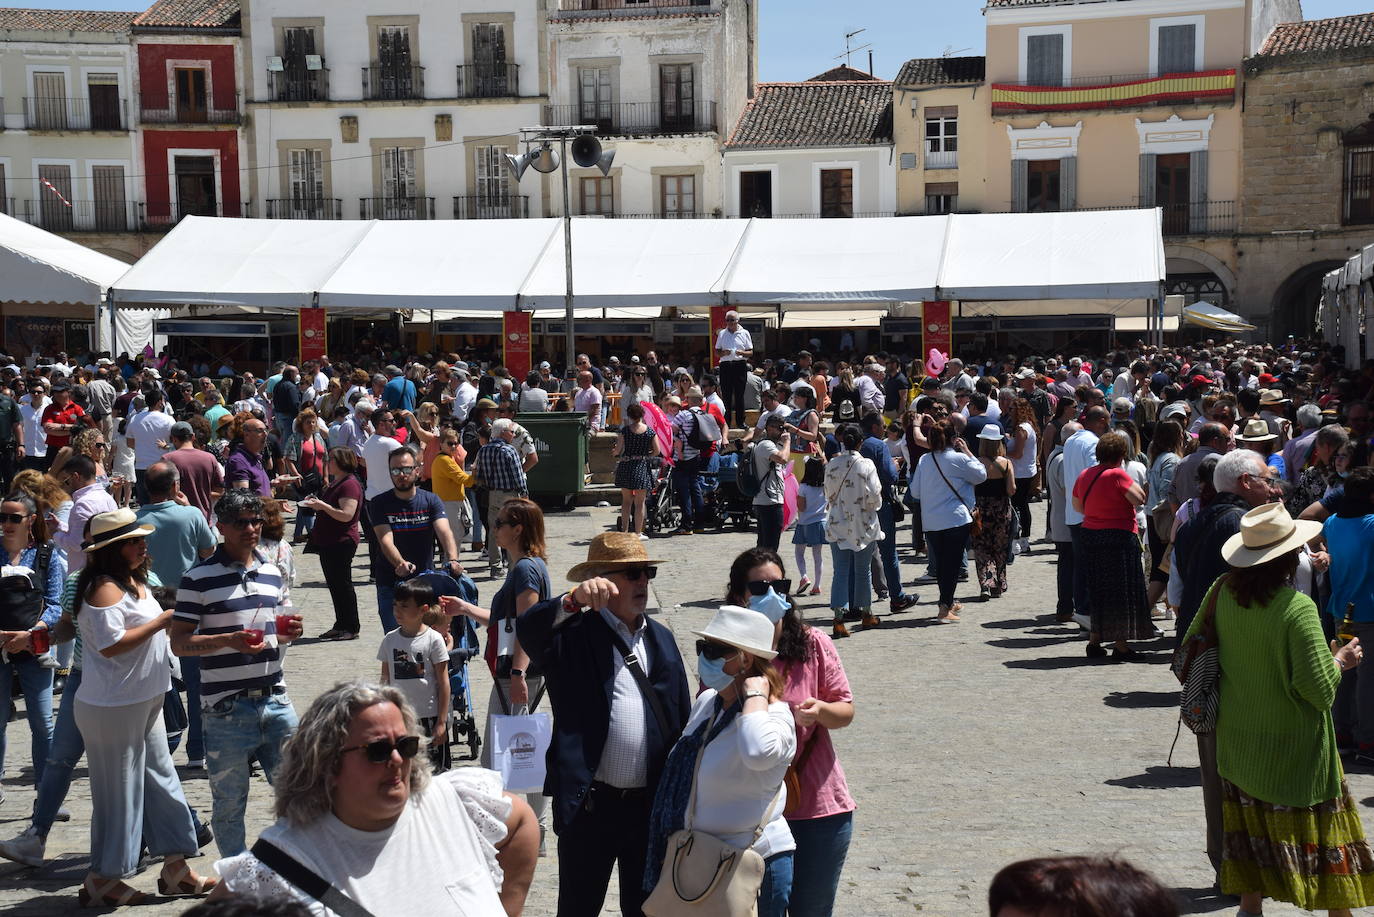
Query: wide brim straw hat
[[742, 628], [1257, 431], [1267, 532], [612, 551], [118, 525], [991, 432]]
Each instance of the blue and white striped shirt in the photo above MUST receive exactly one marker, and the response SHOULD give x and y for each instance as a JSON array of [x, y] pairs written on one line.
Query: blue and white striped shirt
[[221, 596]]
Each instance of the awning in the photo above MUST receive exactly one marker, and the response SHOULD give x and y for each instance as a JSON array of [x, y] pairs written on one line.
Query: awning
[[834, 318], [39, 267], [1141, 325], [1207, 315]]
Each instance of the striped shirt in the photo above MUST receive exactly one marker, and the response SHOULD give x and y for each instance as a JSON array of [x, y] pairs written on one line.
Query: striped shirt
[[221, 596]]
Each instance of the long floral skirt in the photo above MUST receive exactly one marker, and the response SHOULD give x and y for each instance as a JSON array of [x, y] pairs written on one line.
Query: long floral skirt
[[1314, 857], [990, 544], [1116, 584]]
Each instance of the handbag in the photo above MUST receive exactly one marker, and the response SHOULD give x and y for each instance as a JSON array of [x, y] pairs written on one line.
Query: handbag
[[1197, 666], [702, 875], [977, 517], [792, 779]]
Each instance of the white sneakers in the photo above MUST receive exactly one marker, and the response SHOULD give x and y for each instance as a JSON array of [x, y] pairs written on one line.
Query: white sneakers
[[1083, 621], [27, 848]]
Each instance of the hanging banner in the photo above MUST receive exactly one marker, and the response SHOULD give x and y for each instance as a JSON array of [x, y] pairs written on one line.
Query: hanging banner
[[312, 334], [717, 326], [937, 328], [516, 343]]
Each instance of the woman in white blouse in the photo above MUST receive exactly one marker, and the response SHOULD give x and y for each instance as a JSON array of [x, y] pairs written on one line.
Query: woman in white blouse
[[853, 495], [742, 731]]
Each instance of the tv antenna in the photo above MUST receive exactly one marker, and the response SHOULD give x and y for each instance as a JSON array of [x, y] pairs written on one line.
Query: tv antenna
[[848, 49], [950, 51]]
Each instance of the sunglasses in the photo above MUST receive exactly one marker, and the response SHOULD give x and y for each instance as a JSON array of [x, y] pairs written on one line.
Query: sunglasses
[[761, 586], [100, 446], [402, 472], [503, 522], [256, 522], [706, 649], [634, 574], [379, 752], [13, 518]]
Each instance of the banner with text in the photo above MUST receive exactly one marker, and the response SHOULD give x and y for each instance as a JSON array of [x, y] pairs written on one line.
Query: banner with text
[[312, 334], [937, 328], [517, 344]]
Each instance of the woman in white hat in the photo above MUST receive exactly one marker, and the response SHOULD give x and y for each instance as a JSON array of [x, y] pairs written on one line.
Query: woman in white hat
[[743, 732], [136, 796], [1293, 832], [993, 496]]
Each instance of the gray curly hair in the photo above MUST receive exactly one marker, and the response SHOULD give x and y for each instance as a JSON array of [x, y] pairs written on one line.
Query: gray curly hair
[[311, 758], [235, 501]]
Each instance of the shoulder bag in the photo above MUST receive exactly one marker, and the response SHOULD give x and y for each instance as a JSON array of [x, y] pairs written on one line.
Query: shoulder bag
[[1197, 666], [972, 510], [646, 688], [307, 880], [702, 875], [792, 779]]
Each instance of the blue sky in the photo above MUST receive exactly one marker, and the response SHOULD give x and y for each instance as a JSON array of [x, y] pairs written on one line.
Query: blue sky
[[801, 38]]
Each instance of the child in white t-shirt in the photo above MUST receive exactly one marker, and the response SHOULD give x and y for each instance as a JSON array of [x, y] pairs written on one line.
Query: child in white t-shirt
[[415, 659], [812, 511]]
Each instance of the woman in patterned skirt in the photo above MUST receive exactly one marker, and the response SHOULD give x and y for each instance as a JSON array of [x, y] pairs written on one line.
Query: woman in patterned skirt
[[994, 508], [1291, 830], [635, 445]]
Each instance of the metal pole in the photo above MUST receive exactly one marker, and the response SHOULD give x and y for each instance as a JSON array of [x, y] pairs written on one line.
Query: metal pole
[[570, 339]]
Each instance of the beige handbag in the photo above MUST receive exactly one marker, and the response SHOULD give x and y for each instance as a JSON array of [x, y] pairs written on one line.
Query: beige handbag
[[705, 877]]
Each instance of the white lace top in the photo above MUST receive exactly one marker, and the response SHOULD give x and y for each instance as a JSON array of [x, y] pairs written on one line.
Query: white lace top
[[441, 852]]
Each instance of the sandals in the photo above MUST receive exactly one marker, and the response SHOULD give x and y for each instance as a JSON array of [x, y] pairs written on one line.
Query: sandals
[[102, 893], [185, 883]]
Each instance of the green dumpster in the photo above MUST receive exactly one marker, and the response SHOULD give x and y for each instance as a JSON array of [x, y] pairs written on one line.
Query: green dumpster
[[561, 439]]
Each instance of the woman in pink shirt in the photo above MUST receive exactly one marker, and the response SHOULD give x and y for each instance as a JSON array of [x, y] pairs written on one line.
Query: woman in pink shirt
[[817, 690]]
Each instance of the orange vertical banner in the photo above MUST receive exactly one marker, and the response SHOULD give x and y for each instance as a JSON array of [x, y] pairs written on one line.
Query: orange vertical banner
[[937, 330], [717, 326], [313, 343], [516, 343]]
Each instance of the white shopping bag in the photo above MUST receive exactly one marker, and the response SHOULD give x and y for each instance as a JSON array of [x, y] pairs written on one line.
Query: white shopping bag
[[518, 746]]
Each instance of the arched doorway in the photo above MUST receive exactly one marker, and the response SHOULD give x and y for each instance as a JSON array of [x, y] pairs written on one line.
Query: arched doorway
[[1198, 277], [1294, 307]]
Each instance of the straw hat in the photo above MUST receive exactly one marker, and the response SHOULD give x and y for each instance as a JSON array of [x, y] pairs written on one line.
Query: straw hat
[[1257, 431], [1267, 532], [612, 551], [742, 628], [118, 525], [991, 431], [1272, 396]]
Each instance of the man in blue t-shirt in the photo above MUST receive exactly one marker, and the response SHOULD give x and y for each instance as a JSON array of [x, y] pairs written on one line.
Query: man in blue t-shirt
[[406, 521], [1349, 535], [399, 392]]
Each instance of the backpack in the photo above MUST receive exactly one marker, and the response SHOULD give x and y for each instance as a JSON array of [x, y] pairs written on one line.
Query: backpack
[[748, 479], [705, 431], [21, 594]]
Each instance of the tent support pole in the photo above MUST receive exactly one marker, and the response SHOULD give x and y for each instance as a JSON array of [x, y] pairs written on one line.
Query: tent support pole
[[114, 331], [569, 336]]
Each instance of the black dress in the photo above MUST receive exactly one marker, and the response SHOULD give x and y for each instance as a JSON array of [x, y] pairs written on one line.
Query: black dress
[[632, 468]]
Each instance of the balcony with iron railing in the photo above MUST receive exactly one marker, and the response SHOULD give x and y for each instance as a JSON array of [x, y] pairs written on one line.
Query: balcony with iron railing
[[311, 208], [637, 119], [298, 85], [488, 81], [1198, 218], [941, 159], [180, 113], [396, 208], [487, 207], [1106, 92], [392, 83], [83, 216], [162, 216], [75, 114]]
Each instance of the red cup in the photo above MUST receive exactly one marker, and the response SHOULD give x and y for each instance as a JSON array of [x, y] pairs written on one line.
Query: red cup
[[284, 624], [255, 635], [41, 640]]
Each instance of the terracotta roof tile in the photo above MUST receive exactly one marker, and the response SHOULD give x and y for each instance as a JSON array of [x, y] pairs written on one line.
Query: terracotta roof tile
[[191, 14], [1002, 4], [816, 114], [65, 20], [842, 72], [931, 71], [1316, 35]]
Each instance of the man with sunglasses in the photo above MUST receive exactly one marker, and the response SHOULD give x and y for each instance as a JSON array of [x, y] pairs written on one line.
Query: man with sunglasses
[[405, 522], [226, 614], [620, 699]]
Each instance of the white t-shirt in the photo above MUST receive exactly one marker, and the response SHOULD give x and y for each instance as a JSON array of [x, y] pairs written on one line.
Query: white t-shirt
[[731, 341], [1024, 467], [147, 429], [35, 438], [769, 472], [141, 674], [589, 400], [375, 451], [439, 856], [411, 665]]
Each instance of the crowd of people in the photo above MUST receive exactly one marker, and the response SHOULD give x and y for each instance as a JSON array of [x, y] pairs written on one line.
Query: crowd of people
[[1224, 490]]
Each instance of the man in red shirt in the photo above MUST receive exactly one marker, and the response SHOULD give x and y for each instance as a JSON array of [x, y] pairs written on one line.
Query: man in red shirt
[[60, 418]]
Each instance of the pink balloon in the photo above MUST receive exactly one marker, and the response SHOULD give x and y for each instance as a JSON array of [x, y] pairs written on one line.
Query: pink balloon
[[790, 487], [936, 362], [660, 424]]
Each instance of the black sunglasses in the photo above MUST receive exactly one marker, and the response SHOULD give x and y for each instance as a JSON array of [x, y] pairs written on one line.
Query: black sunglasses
[[379, 752], [634, 573], [713, 651], [254, 522], [760, 586], [13, 518]]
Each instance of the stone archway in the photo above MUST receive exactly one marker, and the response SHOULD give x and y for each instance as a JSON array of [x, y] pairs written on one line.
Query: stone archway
[[1197, 275], [1294, 306]]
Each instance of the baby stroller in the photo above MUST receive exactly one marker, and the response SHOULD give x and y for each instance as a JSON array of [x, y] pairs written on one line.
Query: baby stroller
[[662, 515], [466, 646], [727, 503]]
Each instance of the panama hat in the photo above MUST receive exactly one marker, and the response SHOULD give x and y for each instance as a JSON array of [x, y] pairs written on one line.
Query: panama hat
[[117, 525], [742, 628], [1272, 396], [612, 551], [991, 431], [1257, 431], [1267, 532]]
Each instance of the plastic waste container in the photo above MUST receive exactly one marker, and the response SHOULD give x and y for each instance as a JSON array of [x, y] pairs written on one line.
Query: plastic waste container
[[561, 440]]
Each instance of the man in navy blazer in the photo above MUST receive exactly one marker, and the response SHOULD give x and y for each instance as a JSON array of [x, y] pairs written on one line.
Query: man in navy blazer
[[609, 740]]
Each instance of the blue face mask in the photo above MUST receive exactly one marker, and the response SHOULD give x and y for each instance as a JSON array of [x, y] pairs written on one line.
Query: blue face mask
[[770, 605], [712, 673]]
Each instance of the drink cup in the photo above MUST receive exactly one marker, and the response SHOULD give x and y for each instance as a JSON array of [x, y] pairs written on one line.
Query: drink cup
[[41, 640], [255, 635], [284, 623]]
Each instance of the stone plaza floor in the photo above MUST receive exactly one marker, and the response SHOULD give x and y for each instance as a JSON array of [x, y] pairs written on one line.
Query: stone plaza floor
[[973, 745]]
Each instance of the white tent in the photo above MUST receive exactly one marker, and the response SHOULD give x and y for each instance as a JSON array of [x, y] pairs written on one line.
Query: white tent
[[1347, 300], [1214, 317]]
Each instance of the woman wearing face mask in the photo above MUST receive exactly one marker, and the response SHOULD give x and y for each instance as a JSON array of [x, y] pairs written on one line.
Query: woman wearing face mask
[[816, 690], [742, 731]]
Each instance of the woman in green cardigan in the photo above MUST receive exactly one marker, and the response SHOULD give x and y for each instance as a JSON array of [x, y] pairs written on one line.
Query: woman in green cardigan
[[1292, 832]]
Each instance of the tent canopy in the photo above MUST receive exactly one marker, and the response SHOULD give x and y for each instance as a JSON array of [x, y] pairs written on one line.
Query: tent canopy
[[501, 265], [1207, 315], [39, 267]]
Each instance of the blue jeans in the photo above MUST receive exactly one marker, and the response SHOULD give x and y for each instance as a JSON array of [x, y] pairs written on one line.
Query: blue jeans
[[305, 521], [386, 599], [63, 755], [687, 483], [476, 515], [851, 584], [239, 730], [776, 889], [822, 845], [946, 548], [887, 550], [1081, 596], [36, 683]]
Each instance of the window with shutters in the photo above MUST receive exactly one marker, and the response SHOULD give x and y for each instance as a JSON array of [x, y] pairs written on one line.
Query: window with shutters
[[1359, 185], [756, 194], [594, 97], [1042, 186], [398, 189], [302, 75], [394, 76], [1173, 190], [598, 196], [678, 194], [102, 91], [305, 172], [191, 100], [55, 188], [111, 208], [489, 59], [493, 182], [677, 96], [942, 197], [942, 137], [837, 193], [1176, 44], [49, 101], [1045, 59]]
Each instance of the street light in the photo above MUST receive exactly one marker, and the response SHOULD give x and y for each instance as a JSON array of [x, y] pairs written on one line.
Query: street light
[[587, 153]]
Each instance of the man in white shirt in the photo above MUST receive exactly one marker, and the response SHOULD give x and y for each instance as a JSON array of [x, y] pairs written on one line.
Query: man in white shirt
[[588, 401], [870, 386], [1076, 375], [464, 396], [375, 450], [31, 408], [770, 406], [149, 434], [734, 347], [1080, 454]]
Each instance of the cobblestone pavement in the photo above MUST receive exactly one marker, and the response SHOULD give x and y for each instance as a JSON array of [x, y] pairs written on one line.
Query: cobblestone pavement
[[974, 745]]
